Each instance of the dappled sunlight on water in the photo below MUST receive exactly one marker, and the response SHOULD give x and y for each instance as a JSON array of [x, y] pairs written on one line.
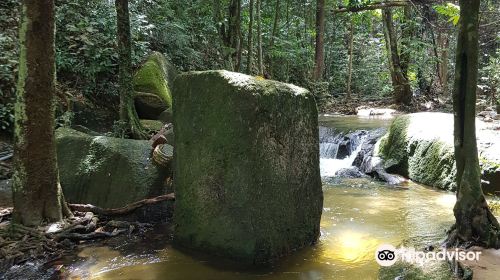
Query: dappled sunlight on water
[[358, 216]]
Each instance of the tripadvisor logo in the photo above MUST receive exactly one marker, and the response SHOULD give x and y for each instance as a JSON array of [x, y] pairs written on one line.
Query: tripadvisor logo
[[387, 255]]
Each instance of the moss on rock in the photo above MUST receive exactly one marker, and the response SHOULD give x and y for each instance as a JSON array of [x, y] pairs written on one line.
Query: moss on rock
[[246, 166], [156, 76], [420, 147], [105, 171], [151, 126]]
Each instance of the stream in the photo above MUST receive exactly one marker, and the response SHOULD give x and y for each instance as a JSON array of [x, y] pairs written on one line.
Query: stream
[[359, 214]]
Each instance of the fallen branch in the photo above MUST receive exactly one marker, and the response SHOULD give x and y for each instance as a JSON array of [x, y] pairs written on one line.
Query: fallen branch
[[122, 210], [88, 236], [371, 6]]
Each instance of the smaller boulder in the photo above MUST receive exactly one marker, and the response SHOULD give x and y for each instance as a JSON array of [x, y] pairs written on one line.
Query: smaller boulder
[[108, 172], [152, 126], [166, 116], [352, 172], [149, 106]]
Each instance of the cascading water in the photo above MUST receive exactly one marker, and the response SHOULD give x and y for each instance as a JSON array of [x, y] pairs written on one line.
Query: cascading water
[[338, 149]]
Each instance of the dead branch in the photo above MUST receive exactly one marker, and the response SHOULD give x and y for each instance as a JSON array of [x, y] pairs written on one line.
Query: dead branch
[[122, 210], [371, 6]]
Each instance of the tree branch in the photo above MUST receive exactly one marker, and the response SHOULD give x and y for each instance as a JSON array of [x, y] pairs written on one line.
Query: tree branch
[[122, 210], [371, 6]]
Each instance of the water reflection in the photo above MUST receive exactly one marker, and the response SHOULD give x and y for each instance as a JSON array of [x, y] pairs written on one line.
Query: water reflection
[[359, 215]]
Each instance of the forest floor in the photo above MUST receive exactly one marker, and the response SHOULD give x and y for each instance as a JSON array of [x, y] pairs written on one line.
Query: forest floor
[[488, 265]]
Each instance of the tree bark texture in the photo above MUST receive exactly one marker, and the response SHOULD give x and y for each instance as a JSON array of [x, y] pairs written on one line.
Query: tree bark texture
[[400, 83], [250, 40], [128, 114], [37, 193], [349, 66], [259, 39], [319, 54], [474, 221]]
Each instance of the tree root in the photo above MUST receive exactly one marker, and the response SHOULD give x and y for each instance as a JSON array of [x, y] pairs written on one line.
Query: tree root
[[454, 239], [19, 244], [122, 210]]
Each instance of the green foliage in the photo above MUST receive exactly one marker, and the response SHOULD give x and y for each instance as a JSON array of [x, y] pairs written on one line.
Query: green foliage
[[490, 75], [120, 129], [9, 21], [65, 119], [449, 10], [6, 116], [86, 44]]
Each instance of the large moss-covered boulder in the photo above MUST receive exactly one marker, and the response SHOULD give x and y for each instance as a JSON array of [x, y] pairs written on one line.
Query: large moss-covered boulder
[[246, 166], [156, 76], [105, 171], [420, 147]]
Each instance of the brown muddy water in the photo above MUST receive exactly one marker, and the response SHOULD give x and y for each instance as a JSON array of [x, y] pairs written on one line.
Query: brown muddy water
[[358, 216]]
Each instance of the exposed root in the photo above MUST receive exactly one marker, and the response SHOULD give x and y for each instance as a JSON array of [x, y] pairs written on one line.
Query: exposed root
[[19, 244], [455, 239], [122, 210]]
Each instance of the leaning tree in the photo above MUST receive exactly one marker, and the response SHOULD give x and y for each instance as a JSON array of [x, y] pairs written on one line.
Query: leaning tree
[[37, 193], [475, 224]]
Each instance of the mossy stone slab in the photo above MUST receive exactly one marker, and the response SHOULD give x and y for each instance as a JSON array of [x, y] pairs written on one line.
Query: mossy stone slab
[[246, 166]]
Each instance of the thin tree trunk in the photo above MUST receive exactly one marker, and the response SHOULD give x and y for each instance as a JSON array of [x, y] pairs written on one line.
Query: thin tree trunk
[[240, 40], [474, 221], [259, 39], [443, 61], [217, 15], [274, 35], [37, 194], [319, 54], [401, 85], [407, 36], [128, 114], [275, 24], [232, 38], [389, 51], [250, 43], [349, 71]]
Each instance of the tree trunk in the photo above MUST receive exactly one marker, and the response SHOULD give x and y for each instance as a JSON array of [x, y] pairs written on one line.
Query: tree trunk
[[443, 44], [240, 40], [275, 24], [401, 85], [259, 39], [217, 15], [389, 51], [349, 70], [319, 56], [474, 221], [37, 194], [250, 43], [407, 35], [274, 35], [128, 114], [233, 37]]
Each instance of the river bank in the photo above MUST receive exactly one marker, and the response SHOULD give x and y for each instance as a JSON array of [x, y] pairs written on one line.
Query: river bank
[[358, 215]]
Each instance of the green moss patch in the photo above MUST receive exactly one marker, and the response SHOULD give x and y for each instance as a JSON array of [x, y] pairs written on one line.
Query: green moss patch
[[105, 171], [156, 76], [420, 147], [246, 166]]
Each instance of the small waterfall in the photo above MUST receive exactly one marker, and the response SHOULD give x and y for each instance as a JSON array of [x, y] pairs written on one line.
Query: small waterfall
[[338, 149]]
